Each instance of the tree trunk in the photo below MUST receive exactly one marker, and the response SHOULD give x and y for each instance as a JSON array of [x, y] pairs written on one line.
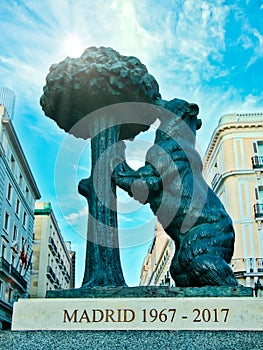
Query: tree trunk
[[103, 266]]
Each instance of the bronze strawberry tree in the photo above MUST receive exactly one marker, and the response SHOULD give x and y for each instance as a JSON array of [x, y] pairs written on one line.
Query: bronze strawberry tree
[[96, 96]]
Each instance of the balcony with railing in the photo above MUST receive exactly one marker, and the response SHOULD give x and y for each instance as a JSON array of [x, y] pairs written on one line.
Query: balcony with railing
[[64, 270], [60, 263], [58, 257], [52, 246], [259, 264], [4, 265], [67, 277], [12, 273], [244, 267], [257, 162], [56, 283], [258, 211], [18, 277], [51, 274]]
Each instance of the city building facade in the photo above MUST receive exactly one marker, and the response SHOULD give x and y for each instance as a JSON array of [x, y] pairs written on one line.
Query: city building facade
[[8, 100], [233, 166], [155, 269], [18, 193], [72, 255], [52, 264]]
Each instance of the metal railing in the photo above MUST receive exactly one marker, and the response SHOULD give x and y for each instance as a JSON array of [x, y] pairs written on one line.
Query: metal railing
[[257, 162], [247, 265], [258, 210], [12, 271], [51, 274], [18, 277], [52, 246], [4, 265]]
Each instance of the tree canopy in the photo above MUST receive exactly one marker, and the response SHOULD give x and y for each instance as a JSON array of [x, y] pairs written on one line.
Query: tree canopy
[[76, 87]]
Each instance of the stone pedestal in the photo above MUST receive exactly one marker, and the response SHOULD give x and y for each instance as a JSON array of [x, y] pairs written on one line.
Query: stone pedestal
[[130, 340], [139, 317], [107, 314]]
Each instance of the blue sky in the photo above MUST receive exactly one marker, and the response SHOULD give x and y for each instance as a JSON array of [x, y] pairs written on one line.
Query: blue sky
[[207, 52]]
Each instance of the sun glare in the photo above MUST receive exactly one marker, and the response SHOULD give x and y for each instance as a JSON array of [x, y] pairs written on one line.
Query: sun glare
[[73, 47]]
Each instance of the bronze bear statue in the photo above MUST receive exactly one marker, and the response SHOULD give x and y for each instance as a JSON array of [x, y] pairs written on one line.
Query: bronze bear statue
[[189, 211]]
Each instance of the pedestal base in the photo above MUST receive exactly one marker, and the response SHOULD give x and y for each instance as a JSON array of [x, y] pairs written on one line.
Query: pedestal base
[[130, 340], [151, 292], [106, 314]]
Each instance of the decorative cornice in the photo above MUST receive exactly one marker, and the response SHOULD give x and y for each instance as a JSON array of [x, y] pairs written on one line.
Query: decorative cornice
[[217, 134]]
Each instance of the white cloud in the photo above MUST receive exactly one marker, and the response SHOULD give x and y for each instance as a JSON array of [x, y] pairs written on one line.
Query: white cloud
[[191, 34], [74, 217], [258, 50], [198, 33]]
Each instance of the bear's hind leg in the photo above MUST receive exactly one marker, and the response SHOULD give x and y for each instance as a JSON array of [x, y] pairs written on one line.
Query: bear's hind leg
[[210, 270]]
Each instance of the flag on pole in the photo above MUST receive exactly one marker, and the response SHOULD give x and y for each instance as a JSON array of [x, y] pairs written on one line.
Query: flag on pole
[[23, 255], [29, 260]]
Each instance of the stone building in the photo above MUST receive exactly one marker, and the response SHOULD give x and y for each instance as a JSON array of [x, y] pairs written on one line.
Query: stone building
[[155, 269], [18, 192], [233, 165], [52, 265], [72, 255], [8, 100]]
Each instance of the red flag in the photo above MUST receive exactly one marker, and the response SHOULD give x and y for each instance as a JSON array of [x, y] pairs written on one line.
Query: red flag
[[23, 255], [25, 258]]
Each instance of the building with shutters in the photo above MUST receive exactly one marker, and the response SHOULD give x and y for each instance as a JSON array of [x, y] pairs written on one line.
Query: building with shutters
[[72, 255], [155, 269], [53, 263], [233, 166], [18, 193]]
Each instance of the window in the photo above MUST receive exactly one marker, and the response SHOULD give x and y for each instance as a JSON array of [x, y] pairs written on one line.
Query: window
[[20, 268], [13, 260], [258, 148], [260, 194], [14, 233], [35, 264], [9, 192], [3, 251], [20, 181], [27, 193], [10, 295], [24, 218], [12, 163], [6, 221], [17, 207], [256, 193]]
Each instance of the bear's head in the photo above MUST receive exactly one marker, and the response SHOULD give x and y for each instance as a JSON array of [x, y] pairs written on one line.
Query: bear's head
[[181, 110]]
